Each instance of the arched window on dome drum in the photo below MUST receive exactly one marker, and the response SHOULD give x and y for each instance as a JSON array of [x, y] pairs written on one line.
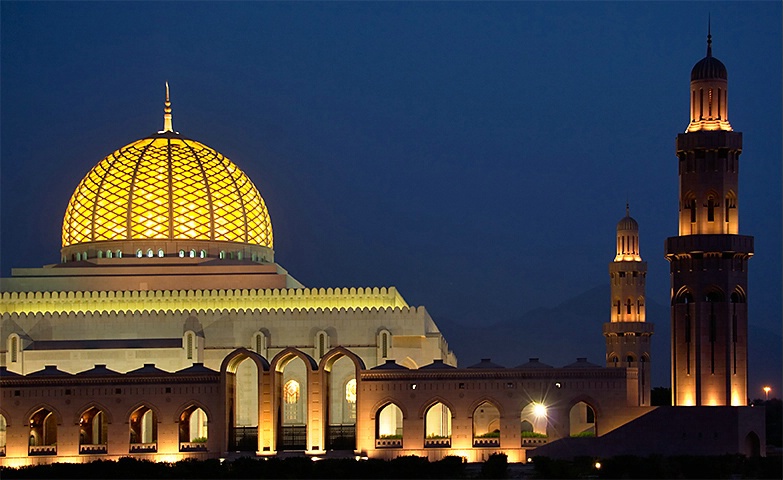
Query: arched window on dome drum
[[100, 253], [150, 253], [192, 253], [119, 253], [160, 253], [239, 255], [14, 349], [181, 253], [222, 254], [190, 346], [108, 254], [203, 254], [139, 254], [253, 257]]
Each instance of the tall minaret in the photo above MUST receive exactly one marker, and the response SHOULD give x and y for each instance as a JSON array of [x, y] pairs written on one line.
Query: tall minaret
[[709, 259], [628, 334]]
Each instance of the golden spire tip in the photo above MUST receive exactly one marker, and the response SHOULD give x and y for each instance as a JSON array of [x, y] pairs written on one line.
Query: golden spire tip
[[167, 123]]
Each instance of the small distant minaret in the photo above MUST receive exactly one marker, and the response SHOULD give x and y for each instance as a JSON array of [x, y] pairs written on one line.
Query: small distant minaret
[[627, 333]]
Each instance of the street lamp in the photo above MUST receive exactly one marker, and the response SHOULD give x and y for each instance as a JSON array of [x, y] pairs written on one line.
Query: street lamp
[[766, 389]]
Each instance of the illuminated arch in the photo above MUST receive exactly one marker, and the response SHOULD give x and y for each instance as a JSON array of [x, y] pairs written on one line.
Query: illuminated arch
[[431, 402], [92, 404], [41, 406], [231, 361], [280, 360], [381, 404], [328, 360], [486, 399]]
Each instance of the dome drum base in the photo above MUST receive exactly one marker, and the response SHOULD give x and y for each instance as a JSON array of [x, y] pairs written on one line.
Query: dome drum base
[[159, 250]]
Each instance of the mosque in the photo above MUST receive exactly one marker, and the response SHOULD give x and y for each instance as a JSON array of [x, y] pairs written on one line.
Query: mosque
[[168, 331]]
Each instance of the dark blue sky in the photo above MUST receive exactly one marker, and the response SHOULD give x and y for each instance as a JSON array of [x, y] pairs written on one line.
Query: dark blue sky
[[475, 155]]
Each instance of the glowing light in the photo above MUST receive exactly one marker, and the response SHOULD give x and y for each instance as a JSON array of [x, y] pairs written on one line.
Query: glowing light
[[166, 188], [539, 410], [597, 465], [767, 389]]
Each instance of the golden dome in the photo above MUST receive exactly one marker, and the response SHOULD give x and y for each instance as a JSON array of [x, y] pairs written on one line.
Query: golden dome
[[166, 187]]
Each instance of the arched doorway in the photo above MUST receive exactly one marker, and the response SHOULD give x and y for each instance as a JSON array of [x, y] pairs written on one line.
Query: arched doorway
[[582, 420], [340, 377], [143, 430], [240, 372], [292, 405], [43, 433], [193, 429], [437, 426], [486, 425], [93, 431], [752, 445], [388, 427]]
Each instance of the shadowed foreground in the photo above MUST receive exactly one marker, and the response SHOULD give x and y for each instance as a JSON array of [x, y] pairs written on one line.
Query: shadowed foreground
[[727, 466]]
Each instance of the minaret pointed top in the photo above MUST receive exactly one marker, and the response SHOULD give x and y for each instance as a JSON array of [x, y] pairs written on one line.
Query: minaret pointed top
[[627, 210], [709, 36], [167, 123]]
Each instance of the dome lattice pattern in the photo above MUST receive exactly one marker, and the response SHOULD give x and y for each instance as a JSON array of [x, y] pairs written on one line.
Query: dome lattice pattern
[[166, 187]]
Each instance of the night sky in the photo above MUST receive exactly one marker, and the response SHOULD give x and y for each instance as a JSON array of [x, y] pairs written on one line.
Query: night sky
[[477, 156]]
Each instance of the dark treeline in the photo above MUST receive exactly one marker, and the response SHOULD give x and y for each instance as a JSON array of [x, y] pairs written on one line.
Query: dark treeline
[[727, 466]]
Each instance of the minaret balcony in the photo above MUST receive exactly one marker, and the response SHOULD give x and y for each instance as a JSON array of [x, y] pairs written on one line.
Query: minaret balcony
[[621, 328], [712, 243]]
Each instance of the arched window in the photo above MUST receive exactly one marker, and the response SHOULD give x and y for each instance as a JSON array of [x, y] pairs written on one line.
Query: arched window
[[192, 253], [193, 429], [350, 391], [182, 254], [388, 424], [150, 253], [384, 343], [160, 253], [203, 254], [108, 253], [119, 253], [93, 431], [239, 255], [143, 430], [260, 343], [291, 392], [321, 344], [486, 425], [711, 208], [628, 306], [43, 432], [253, 257], [222, 254], [629, 360], [139, 254], [14, 349], [100, 253], [189, 347]]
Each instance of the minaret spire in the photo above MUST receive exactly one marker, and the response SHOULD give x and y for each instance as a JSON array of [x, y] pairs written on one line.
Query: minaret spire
[[709, 36], [167, 124]]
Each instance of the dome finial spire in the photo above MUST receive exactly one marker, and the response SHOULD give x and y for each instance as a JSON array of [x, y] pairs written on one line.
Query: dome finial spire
[[167, 124], [627, 209], [709, 35]]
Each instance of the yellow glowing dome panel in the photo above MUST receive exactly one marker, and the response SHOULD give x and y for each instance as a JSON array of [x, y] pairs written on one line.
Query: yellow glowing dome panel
[[167, 187]]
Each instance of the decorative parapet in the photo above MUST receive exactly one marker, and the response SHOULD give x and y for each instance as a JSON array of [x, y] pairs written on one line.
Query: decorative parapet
[[187, 300], [93, 449]]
